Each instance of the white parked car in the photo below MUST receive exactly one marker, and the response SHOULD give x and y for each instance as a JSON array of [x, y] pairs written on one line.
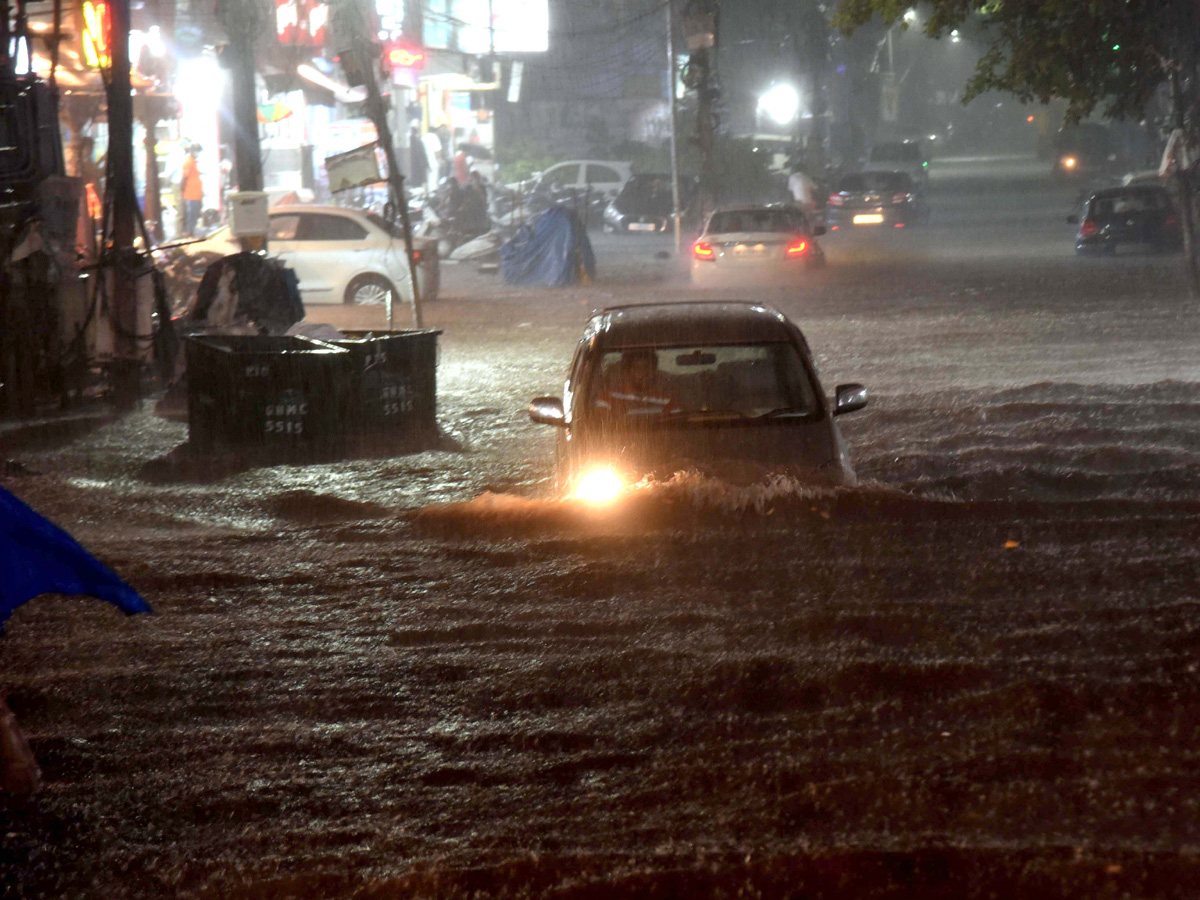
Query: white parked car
[[599, 175], [339, 255]]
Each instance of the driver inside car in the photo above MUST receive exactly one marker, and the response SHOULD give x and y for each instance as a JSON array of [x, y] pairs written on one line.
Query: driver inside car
[[635, 386]]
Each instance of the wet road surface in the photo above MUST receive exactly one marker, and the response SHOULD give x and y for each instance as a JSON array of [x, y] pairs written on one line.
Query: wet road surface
[[425, 675]]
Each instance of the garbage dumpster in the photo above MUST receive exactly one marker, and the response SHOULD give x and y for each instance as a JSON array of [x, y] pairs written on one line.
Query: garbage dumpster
[[393, 383], [279, 399]]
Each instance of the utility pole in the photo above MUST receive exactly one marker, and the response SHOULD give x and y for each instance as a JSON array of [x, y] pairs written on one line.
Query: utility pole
[[351, 25], [126, 366], [700, 37], [377, 111], [1183, 176], [676, 212], [242, 20]]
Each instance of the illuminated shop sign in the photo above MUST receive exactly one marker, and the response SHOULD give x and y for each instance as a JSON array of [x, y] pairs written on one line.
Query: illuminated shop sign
[[301, 22]]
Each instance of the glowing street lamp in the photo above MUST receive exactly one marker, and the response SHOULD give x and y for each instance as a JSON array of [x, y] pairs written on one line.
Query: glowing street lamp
[[781, 103]]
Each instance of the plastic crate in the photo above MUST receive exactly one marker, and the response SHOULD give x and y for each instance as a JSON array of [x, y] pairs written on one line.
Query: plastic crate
[[393, 383], [279, 399]]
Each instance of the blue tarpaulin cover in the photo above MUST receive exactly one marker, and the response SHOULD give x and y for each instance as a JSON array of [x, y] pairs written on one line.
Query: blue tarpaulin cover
[[548, 250], [37, 557]]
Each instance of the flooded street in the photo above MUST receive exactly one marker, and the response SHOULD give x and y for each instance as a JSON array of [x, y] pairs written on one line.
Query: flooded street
[[975, 675]]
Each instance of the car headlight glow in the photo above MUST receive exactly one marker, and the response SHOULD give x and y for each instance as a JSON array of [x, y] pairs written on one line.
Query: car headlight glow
[[599, 486]]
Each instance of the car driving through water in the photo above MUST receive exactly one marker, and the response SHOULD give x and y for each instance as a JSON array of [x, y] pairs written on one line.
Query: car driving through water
[[717, 387], [754, 243]]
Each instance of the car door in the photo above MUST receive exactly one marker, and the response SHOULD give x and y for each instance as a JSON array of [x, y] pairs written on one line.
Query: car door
[[328, 250], [606, 179], [560, 180]]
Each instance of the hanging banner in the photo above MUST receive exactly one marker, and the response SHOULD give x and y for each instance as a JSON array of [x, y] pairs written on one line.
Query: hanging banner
[[356, 168]]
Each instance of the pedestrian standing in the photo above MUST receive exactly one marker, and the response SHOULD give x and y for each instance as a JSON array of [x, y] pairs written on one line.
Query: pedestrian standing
[[804, 191], [462, 168], [192, 189], [418, 164]]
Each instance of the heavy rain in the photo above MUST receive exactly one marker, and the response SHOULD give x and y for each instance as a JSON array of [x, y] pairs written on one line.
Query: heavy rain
[[422, 663]]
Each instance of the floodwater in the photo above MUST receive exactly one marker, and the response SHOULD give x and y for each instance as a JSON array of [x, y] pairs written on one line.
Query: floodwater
[[425, 675]]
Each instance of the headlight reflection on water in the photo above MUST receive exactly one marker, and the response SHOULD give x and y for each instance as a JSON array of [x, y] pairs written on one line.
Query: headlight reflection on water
[[599, 486]]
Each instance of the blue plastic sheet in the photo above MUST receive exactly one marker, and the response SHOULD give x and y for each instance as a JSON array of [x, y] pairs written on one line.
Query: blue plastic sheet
[[549, 250], [37, 557]]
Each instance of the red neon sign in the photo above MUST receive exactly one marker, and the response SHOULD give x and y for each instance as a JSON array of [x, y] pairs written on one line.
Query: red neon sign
[[403, 57]]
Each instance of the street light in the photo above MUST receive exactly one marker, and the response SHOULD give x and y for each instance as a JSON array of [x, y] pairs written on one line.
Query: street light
[[910, 17], [781, 103]]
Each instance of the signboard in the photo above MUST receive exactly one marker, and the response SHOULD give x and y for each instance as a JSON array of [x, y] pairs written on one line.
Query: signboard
[[353, 169], [516, 26], [301, 22], [516, 74]]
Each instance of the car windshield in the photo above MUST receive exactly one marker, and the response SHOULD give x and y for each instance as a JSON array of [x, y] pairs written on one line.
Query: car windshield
[[750, 220], [875, 181], [1129, 202], [736, 381]]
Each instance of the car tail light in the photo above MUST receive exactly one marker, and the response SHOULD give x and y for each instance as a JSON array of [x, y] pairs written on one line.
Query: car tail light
[[704, 250], [836, 200], [416, 257], [1087, 228], [899, 225], [797, 248], [901, 197]]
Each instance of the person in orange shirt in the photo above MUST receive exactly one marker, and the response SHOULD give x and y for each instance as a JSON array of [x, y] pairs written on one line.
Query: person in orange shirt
[[192, 189]]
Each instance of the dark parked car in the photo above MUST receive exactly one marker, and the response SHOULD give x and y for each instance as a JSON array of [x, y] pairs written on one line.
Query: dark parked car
[[874, 199], [1140, 215], [645, 205], [655, 389]]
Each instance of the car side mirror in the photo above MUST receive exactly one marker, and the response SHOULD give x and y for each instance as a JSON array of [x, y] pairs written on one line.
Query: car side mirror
[[1072, 219], [548, 411], [818, 230], [848, 398]]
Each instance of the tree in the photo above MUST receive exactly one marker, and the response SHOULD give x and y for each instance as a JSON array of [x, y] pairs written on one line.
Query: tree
[[1111, 56]]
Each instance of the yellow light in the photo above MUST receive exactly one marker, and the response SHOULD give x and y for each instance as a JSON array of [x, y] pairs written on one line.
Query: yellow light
[[97, 34], [1069, 162], [868, 219], [599, 486]]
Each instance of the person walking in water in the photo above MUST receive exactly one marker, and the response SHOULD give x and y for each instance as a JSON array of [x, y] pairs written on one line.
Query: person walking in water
[[192, 190]]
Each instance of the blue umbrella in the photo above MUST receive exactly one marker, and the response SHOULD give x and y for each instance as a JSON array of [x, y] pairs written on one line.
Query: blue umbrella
[[37, 557]]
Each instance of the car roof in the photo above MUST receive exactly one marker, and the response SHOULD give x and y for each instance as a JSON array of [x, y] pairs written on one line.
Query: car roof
[[754, 207], [693, 322], [1127, 189]]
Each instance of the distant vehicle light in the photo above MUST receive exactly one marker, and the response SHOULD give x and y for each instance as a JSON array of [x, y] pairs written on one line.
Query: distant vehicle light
[[703, 250], [1069, 162], [899, 225], [1029, 118], [833, 228], [599, 486], [868, 219], [797, 248]]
